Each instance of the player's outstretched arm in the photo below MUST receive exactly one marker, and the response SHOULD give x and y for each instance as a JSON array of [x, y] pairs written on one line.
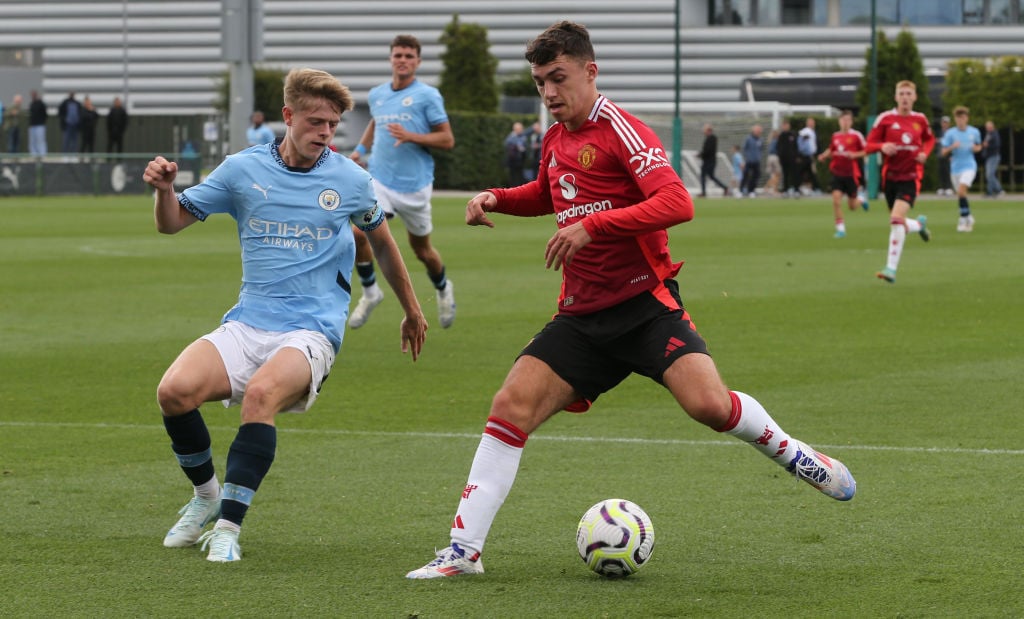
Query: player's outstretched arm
[[414, 325], [478, 207], [167, 212]]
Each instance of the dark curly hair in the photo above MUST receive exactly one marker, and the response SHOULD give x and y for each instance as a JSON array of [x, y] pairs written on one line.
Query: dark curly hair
[[563, 38]]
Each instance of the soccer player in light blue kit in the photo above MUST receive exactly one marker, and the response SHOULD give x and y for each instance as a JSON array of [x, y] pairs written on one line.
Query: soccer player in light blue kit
[[295, 204], [258, 132], [408, 118], [961, 143]]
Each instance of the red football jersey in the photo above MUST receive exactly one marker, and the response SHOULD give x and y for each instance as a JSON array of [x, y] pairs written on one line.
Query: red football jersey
[[843, 143], [613, 175], [911, 134]]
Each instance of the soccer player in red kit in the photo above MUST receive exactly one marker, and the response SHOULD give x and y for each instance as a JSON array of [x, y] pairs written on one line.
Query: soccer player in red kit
[[905, 140], [846, 147], [605, 177]]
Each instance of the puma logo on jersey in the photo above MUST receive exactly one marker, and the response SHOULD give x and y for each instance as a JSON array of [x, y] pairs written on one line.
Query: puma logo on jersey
[[257, 187]]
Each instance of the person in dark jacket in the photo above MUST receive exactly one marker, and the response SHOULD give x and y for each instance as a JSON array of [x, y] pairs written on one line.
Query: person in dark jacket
[[37, 125], [90, 118], [991, 152], [708, 154], [787, 151], [117, 124]]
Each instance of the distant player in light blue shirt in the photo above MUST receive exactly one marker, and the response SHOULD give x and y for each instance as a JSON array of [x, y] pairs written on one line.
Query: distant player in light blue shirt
[[258, 132], [295, 204], [961, 143], [408, 120]]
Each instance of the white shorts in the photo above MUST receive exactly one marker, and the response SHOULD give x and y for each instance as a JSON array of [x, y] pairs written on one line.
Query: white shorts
[[245, 349], [413, 208], [964, 178]]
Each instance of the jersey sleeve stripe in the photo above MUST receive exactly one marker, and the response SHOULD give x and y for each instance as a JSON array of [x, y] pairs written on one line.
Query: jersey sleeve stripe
[[626, 132]]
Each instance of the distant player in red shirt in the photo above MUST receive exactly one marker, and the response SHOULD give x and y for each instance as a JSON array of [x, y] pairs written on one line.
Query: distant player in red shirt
[[905, 140], [606, 179], [846, 147]]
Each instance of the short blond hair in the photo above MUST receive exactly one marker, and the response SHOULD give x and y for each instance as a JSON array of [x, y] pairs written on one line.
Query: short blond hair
[[302, 87], [961, 110], [906, 84]]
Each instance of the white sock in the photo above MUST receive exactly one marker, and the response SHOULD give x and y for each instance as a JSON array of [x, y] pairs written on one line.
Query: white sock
[[752, 424], [490, 479], [208, 490], [840, 225], [897, 236], [912, 225], [227, 524], [373, 290]]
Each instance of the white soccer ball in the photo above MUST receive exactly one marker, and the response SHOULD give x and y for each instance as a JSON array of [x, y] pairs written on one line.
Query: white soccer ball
[[615, 537]]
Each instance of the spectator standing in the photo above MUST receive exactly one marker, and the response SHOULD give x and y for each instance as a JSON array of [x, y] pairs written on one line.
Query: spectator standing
[[13, 124], [258, 132], [807, 145], [408, 121], [708, 159], [788, 154], [752, 147], [905, 139], [70, 114], [772, 167], [737, 170], [992, 154], [117, 124], [37, 125], [534, 139], [945, 178], [90, 118], [515, 155]]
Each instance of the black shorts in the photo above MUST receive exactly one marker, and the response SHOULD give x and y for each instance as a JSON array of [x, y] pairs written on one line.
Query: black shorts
[[593, 353], [846, 185], [900, 190]]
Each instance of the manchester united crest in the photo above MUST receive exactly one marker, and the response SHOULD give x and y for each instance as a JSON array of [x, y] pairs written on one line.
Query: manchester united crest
[[586, 156]]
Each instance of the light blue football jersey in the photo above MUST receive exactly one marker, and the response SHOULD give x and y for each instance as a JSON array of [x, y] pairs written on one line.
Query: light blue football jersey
[[293, 228], [407, 167], [962, 158]]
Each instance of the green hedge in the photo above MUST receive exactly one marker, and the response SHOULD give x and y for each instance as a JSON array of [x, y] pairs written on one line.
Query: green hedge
[[478, 160]]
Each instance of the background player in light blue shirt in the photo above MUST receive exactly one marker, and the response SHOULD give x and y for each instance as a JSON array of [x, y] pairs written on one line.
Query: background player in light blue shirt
[[295, 204], [961, 143], [408, 119], [258, 132]]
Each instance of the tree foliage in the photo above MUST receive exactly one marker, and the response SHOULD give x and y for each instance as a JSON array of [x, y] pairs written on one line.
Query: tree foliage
[[468, 81], [268, 92], [519, 84], [992, 90], [897, 60]]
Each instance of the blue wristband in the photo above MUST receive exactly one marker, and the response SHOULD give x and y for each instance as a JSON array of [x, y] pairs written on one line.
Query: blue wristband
[[360, 149]]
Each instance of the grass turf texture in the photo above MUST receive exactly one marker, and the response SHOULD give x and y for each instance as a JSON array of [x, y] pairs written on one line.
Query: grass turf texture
[[916, 386]]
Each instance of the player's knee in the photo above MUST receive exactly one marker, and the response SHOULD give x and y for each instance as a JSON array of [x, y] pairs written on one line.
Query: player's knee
[[508, 407], [427, 255], [709, 410], [173, 399]]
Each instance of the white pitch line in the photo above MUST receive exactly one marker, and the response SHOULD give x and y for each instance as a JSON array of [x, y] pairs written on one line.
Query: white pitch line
[[535, 437]]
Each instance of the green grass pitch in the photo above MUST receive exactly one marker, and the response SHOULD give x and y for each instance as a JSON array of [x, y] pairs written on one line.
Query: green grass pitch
[[917, 386]]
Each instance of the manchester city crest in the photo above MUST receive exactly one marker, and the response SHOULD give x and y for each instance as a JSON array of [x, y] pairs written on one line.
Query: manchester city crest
[[329, 200]]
